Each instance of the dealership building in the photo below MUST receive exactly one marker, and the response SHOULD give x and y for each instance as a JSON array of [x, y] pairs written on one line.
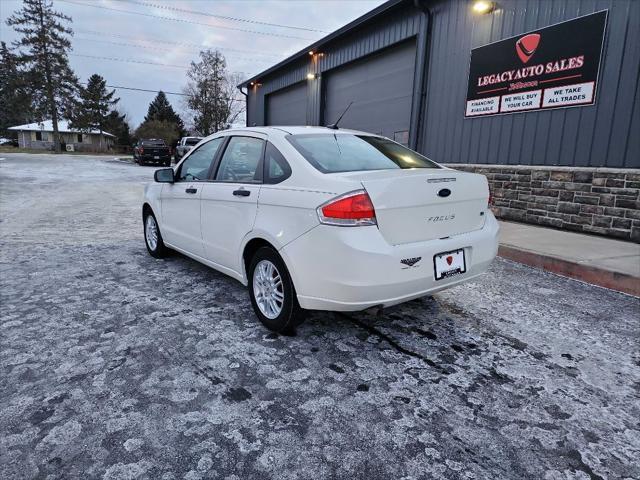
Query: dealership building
[[543, 97]]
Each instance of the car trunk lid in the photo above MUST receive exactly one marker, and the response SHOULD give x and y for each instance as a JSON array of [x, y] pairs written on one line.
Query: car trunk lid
[[423, 204]]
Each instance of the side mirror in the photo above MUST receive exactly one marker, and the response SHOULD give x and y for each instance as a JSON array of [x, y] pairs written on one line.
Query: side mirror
[[164, 175]]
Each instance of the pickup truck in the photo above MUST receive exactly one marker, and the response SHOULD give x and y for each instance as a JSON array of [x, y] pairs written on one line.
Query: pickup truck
[[152, 150], [184, 145]]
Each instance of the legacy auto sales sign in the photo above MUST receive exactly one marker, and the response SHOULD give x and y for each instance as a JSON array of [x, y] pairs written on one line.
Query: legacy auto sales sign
[[554, 67]]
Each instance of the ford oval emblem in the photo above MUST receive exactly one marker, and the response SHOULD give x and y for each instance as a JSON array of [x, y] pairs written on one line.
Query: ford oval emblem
[[445, 192]]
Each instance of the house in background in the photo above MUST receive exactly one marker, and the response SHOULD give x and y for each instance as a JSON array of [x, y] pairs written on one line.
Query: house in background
[[39, 135]]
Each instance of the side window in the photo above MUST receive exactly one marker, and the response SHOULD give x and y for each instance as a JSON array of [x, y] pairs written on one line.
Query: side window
[[196, 166], [276, 168], [241, 161]]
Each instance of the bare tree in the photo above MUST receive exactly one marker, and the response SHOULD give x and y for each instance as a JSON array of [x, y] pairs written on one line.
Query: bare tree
[[236, 102], [212, 98]]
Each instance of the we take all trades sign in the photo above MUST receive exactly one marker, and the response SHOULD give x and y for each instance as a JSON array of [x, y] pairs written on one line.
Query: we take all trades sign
[[554, 67]]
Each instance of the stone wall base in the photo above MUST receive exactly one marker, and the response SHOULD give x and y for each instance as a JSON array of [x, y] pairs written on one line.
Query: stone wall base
[[602, 201]]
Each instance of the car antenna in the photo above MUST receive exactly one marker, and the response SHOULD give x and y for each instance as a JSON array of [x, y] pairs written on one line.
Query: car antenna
[[334, 126]]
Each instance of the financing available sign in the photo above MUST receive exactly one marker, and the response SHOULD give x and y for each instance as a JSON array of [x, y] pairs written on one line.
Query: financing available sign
[[554, 67]]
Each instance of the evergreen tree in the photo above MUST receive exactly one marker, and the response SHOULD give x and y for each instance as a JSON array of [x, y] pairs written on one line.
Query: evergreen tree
[[161, 110], [15, 101], [43, 49], [116, 124], [95, 102]]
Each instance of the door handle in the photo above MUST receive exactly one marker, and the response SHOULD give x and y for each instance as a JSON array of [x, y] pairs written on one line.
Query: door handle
[[242, 193], [191, 190]]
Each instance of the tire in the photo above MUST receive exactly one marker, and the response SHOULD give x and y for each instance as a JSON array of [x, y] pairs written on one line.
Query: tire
[[289, 315], [156, 249]]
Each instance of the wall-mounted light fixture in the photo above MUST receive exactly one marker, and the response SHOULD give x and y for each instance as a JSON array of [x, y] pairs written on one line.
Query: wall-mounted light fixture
[[483, 6], [311, 52], [312, 76]]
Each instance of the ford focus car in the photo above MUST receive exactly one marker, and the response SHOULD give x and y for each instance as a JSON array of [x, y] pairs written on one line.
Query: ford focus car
[[321, 219]]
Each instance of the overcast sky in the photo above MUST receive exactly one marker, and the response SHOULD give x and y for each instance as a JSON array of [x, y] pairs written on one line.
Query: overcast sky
[[132, 30]]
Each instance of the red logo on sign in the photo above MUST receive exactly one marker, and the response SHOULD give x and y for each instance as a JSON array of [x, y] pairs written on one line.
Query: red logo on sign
[[449, 259], [527, 45]]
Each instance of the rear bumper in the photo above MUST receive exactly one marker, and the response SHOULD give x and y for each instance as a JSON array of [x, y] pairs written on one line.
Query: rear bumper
[[351, 269], [151, 158]]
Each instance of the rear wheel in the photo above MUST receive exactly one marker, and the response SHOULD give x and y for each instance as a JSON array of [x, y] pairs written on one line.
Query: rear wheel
[[273, 296], [153, 237]]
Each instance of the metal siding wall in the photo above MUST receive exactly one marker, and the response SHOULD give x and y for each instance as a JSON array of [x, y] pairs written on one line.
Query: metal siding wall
[[314, 95], [251, 107], [601, 135], [604, 134], [391, 28], [256, 104]]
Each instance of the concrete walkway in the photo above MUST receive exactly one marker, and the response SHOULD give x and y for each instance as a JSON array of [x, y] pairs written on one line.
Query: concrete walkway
[[602, 261]]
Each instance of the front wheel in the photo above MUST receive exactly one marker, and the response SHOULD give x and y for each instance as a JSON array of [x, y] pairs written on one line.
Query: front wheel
[[153, 237], [273, 296]]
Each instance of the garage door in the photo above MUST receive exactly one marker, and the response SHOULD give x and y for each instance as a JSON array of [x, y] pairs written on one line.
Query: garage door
[[381, 88], [288, 106]]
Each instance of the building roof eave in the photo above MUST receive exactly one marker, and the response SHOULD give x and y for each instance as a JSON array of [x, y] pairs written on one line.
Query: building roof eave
[[324, 40]]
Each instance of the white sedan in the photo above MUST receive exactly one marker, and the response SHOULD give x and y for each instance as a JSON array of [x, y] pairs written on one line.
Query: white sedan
[[322, 219]]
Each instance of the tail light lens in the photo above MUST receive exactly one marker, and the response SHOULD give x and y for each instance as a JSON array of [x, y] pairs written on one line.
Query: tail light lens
[[141, 150], [352, 209]]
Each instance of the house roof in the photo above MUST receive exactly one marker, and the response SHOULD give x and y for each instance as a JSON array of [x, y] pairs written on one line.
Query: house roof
[[47, 126], [324, 40]]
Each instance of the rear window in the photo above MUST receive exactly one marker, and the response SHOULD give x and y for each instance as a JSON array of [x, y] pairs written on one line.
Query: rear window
[[332, 153], [191, 141], [152, 143]]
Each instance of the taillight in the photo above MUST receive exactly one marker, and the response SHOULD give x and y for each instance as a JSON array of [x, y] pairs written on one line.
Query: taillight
[[352, 209], [490, 203], [141, 150]]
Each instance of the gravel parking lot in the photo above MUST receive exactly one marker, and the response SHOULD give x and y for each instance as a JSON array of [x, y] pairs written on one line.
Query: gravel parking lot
[[116, 365]]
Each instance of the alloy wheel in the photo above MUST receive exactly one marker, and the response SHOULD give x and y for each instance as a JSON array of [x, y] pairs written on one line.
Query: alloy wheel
[[268, 289], [151, 232]]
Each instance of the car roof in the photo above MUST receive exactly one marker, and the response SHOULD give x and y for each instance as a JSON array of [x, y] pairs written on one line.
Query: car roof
[[295, 130]]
